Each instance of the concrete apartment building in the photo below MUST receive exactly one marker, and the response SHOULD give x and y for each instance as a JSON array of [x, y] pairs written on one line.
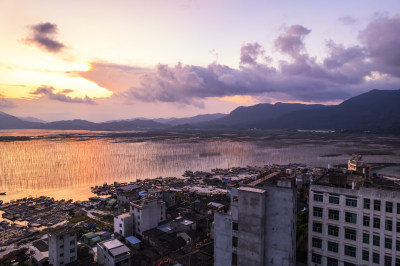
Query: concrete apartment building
[[62, 246], [354, 220], [123, 224], [147, 213], [112, 252], [260, 228]]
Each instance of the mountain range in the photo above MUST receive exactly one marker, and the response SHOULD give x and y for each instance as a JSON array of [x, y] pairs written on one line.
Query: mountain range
[[375, 111]]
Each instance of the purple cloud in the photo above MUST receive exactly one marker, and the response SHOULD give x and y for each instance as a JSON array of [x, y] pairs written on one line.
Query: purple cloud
[[291, 42], [348, 20], [344, 72], [61, 96], [5, 103], [43, 35]]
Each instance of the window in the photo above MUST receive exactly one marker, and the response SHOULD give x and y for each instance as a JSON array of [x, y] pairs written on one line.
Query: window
[[72, 259], [365, 255], [72, 242], [332, 262], [366, 220], [350, 234], [375, 258], [348, 264], [61, 237], [350, 217], [62, 255], [62, 246], [365, 238], [398, 227], [367, 203], [375, 240], [377, 222], [388, 225], [389, 206], [333, 215], [388, 243], [120, 225], [72, 250], [377, 205], [234, 241], [388, 261], [316, 242], [333, 230], [398, 245], [398, 208], [316, 258], [351, 201], [349, 251], [334, 199], [235, 226], [397, 262], [317, 227], [317, 212], [318, 196], [234, 259], [333, 246], [72, 234]]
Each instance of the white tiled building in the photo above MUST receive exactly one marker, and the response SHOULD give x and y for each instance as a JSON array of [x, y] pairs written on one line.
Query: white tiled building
[[123, 224], [62, 246], [147, 213], [353, 221], [113, 252]]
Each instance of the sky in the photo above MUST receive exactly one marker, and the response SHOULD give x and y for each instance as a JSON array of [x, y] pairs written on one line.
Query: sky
[[106, 60]]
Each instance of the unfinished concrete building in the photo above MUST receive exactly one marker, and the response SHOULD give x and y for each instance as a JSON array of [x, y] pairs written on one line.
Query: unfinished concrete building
[[260, 228]]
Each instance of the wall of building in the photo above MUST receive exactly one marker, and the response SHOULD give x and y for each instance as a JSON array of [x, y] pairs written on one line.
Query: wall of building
[[280, 247], [123, 225], [360, 194], [222, 239], [63, 246], [251, 220]]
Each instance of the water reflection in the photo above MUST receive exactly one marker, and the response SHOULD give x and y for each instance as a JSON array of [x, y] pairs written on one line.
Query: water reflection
[[68, 168]]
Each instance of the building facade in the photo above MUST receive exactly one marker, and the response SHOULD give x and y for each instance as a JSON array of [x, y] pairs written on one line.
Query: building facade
[[113, 252], [62, 246], [260, 228], [354, 222], [123, 224], [147, 213]]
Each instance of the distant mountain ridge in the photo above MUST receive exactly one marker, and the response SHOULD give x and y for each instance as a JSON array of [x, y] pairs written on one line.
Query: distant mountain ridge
[[375, 111]]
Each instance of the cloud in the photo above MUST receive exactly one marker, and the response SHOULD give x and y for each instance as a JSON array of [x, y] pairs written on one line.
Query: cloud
[[61, 96], [43, 35], [345, 71], [348, 20], [5, 103], [291, 42]]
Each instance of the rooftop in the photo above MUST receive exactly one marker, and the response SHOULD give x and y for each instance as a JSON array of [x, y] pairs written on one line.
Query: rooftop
[[252, 189], [61, 230], [348, 180], [113, 243]]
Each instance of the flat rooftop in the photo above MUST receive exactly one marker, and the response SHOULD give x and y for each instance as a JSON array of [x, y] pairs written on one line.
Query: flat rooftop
[[113, 243], [252, 189], [347, 180]]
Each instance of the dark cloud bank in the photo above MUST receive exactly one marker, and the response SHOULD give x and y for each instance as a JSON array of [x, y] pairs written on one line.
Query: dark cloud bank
[[61, 96], [43, 35], [345, 72]]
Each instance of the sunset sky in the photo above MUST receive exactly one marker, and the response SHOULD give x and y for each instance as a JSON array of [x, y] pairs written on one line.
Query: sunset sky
[[103, 60]]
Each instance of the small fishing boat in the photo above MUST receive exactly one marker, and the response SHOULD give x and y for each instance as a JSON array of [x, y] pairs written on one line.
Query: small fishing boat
[[2, 193]]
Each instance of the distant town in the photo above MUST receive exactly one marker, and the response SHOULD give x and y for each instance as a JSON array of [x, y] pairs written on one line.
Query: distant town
[[270, 215]]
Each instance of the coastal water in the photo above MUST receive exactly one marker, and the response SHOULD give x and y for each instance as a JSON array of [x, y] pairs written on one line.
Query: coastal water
[[65, 164]]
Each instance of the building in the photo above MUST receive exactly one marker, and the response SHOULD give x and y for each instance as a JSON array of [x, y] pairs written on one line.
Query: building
[[355, 162], [126, 194], [123, 224], [147, 213], [260, 228], [113, 252], [354, 220], [62, 245]]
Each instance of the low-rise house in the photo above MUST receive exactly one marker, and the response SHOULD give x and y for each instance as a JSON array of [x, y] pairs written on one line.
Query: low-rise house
[[126, 194], [147, 213], [62, 245], [123, 224], [113, 252]]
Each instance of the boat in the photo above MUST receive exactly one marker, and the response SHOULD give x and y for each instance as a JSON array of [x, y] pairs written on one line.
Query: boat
[[2, 193]]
